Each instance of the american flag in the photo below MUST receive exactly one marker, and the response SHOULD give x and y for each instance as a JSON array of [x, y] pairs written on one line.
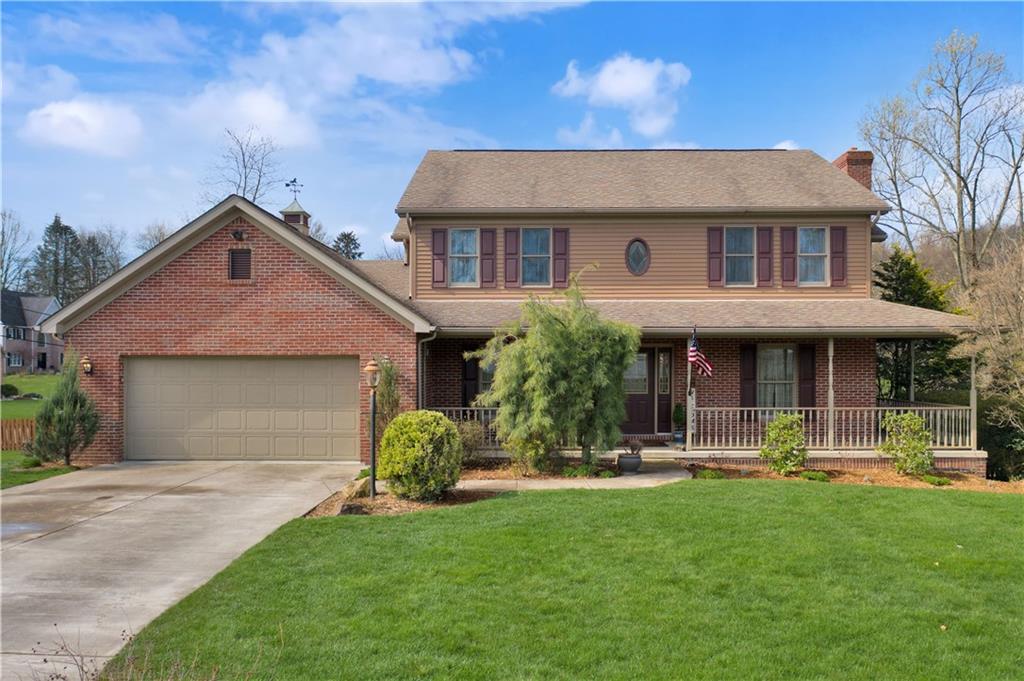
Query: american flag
[[697, 358]]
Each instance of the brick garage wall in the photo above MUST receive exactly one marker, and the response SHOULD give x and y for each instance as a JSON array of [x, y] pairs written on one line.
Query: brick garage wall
[[290, 307], [853, 365], [443, 359]]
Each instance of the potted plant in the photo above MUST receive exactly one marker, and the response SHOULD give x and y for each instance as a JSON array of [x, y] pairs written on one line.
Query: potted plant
[[679, 419], [630, 459]]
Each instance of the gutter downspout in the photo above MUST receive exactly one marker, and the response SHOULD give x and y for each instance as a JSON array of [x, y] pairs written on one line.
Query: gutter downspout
[[421, 368]]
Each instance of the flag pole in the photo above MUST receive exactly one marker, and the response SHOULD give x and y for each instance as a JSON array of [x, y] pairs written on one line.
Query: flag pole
[[690, 413]]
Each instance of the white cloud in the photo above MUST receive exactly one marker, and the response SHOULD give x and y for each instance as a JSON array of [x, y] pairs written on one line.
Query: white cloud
[[111, 36], [24, 83], [646, 89], [588, 135], [86, 124], [239, 106], [789, 145]]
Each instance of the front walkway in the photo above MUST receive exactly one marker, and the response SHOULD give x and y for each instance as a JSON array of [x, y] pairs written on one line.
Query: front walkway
[[109, 548], [652, 474]]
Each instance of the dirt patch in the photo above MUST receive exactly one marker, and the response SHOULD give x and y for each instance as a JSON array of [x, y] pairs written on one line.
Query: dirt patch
[[881, 477], [387, 504]]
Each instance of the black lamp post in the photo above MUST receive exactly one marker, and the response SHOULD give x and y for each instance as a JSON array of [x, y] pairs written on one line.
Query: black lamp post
[[372, 371]]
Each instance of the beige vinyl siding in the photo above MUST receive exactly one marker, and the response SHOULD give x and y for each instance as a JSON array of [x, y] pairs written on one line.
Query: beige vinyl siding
[[678, 258]]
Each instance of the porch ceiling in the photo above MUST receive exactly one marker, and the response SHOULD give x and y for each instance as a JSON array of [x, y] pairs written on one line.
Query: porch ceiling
[[747, 317]]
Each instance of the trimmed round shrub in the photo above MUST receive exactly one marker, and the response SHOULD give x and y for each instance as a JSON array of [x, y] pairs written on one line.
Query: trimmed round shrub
[[8, 390], [784, 447], [420, 455], [907, 443]]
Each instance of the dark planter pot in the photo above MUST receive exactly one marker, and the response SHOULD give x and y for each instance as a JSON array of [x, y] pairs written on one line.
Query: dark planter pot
[[629, 464], [678, 436]]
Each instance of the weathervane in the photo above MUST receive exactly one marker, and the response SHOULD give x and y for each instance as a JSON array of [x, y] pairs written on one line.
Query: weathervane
[[294, 187]]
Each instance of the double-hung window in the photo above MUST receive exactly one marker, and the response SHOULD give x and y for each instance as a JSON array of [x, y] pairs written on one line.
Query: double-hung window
[[14, 359], [812, 247], [536, 256], [776, 376], [739, 256], [463, 257]]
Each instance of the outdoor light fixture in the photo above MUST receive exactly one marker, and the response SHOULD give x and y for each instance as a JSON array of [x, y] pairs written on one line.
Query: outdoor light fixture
[[372, 371], [86, 364], [238, 235]]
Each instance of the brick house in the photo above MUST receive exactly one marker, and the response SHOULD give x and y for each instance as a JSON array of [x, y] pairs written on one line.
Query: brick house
[[25, 348], [242, 337]]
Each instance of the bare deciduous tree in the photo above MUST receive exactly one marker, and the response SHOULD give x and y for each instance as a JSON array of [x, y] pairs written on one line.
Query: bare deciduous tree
[[997, 337], [318, 231], [13, 250], [390, 251], [949, 154], [151, 235], [247, 166], [102, 253]]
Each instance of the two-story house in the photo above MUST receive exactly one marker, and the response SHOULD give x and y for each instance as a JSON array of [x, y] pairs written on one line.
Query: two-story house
[[242, 337], [25, 348]]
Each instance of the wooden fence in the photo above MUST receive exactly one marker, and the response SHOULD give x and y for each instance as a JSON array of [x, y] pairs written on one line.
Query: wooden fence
[[14, 433]]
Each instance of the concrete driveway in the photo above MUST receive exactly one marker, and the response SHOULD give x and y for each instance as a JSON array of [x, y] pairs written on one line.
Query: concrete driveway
[[109, 548]]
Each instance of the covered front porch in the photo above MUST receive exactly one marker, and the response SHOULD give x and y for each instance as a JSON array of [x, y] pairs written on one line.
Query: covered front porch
[[830, 381]]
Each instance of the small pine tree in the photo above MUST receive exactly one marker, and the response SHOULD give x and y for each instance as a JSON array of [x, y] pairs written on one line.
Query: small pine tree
[[68, 420], [347, 244], [900, 278]]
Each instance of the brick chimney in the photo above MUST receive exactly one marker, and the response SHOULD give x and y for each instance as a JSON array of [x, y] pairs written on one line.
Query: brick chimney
[[296, 216], [856, 164]]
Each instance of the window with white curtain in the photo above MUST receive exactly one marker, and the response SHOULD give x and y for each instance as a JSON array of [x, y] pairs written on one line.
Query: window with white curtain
[[739, 256], [463, 257], [776, 376], [812, 246]]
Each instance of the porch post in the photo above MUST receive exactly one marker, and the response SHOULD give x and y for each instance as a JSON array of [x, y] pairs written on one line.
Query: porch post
[[831, 397], [974, 407], [912, 345], [690, 412]]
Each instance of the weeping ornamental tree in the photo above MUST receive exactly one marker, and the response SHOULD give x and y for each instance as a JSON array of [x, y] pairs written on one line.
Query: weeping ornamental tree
[[558, 377]]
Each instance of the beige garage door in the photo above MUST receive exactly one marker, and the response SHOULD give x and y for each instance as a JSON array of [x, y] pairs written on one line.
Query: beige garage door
[[242, 408]]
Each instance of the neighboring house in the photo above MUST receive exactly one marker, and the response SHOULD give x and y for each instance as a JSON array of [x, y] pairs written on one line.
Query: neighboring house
[[241, 337], [26, 349]]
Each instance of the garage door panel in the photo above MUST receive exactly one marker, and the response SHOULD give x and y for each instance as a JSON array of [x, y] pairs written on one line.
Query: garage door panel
[[242, 407]]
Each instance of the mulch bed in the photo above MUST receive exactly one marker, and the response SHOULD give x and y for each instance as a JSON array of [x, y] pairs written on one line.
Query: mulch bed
[[387, 504], [881, 477]]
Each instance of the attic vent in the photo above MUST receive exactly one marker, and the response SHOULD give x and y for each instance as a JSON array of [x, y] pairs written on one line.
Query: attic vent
[[239, 263]]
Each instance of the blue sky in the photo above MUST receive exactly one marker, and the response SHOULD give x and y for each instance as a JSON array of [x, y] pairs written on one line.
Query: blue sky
[[113, 112]]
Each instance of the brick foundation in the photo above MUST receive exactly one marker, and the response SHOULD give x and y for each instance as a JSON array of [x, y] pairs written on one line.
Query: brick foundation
[[290, 307]]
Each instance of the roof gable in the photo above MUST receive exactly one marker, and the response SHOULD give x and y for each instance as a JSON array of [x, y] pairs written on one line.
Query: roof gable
[[673, 180], [217, 217]]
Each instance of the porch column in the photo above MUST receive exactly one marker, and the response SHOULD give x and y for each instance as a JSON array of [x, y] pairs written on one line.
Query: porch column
[[974, 407], [831, 421], [912, 345]]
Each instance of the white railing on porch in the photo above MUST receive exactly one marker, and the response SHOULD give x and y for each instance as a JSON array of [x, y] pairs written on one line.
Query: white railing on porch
[[483, 415], [842, 428]]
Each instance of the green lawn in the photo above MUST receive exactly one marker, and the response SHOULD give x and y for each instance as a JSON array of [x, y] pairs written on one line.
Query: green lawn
[[10, 460], [717, 579], [43, 384]]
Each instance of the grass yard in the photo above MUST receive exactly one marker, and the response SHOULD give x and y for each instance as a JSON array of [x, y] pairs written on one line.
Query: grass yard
[[704, 579], [10, 460], [44, 384]]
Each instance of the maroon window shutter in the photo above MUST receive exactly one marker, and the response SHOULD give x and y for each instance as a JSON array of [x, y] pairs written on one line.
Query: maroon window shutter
[[788, 237], [764, 256], [560, 257], [511, 258], [716, 257], [748, 375], [806, 367], [439, 256], [488, 248], [837, 255], [470, 380]]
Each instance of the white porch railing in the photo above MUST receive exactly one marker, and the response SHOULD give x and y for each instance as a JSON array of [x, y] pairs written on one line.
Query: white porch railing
[[842, 428], [483, 415]]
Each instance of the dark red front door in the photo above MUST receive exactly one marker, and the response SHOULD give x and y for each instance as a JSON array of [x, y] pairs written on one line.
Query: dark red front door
[[640, 387]]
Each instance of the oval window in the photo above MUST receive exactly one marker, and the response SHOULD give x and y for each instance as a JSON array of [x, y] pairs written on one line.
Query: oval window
[[638, 256]]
